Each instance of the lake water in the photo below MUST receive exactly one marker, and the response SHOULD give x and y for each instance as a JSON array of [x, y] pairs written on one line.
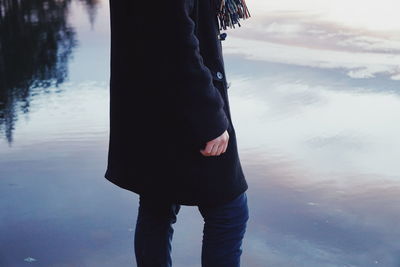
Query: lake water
[[315, 99]]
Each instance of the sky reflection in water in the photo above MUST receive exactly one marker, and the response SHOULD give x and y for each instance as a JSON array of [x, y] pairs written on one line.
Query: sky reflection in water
[[314, 99]]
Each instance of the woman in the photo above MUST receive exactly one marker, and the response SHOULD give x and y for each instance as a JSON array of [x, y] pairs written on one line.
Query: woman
[[172, 140]]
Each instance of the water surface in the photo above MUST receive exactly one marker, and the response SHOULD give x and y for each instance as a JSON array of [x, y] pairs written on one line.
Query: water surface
[[315, 99]]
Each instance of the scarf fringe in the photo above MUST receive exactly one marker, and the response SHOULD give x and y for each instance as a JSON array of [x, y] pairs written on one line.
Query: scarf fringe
[[230, 12]]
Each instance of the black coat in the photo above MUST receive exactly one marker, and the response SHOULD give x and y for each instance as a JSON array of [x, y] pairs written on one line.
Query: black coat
[[168, 97]]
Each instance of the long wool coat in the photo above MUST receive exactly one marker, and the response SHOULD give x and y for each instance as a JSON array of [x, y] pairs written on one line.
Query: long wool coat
[[168, 97]]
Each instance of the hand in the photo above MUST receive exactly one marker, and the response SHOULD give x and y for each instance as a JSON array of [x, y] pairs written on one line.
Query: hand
[[216, 146]]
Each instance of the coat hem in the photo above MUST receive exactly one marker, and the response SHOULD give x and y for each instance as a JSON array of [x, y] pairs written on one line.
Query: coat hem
[[216, 202]]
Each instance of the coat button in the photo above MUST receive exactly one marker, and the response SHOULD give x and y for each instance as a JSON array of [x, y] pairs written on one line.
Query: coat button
[[219, 75], [222, 36]]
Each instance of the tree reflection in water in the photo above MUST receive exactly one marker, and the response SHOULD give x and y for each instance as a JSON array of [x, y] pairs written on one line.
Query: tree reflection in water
[[36, 43]]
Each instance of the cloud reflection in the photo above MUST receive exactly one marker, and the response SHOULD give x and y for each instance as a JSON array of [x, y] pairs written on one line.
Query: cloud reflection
[[305, 40], [305, 218]]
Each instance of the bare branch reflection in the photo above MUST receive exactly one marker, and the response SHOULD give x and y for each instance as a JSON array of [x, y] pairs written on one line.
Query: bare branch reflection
[[36, 43]]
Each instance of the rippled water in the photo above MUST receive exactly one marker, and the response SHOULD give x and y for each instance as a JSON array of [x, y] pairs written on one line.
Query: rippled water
[[315, 97]]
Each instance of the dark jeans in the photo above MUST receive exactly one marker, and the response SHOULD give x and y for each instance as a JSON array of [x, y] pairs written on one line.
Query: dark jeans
[[224, 229]]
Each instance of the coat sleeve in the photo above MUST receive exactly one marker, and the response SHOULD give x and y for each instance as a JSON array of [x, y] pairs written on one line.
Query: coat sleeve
[[201, 104]]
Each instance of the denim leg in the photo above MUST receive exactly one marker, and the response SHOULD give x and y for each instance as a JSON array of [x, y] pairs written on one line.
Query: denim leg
[[224, 229], [154, 231]]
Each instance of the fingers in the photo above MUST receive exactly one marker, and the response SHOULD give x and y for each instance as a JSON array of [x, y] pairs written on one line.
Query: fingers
[[210, 147], [214, 149], [207, 150], [225, 147], [217, 146], [220, 150]]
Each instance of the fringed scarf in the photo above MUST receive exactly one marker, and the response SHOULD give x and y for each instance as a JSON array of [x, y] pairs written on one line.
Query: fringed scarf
[[229, 12]]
